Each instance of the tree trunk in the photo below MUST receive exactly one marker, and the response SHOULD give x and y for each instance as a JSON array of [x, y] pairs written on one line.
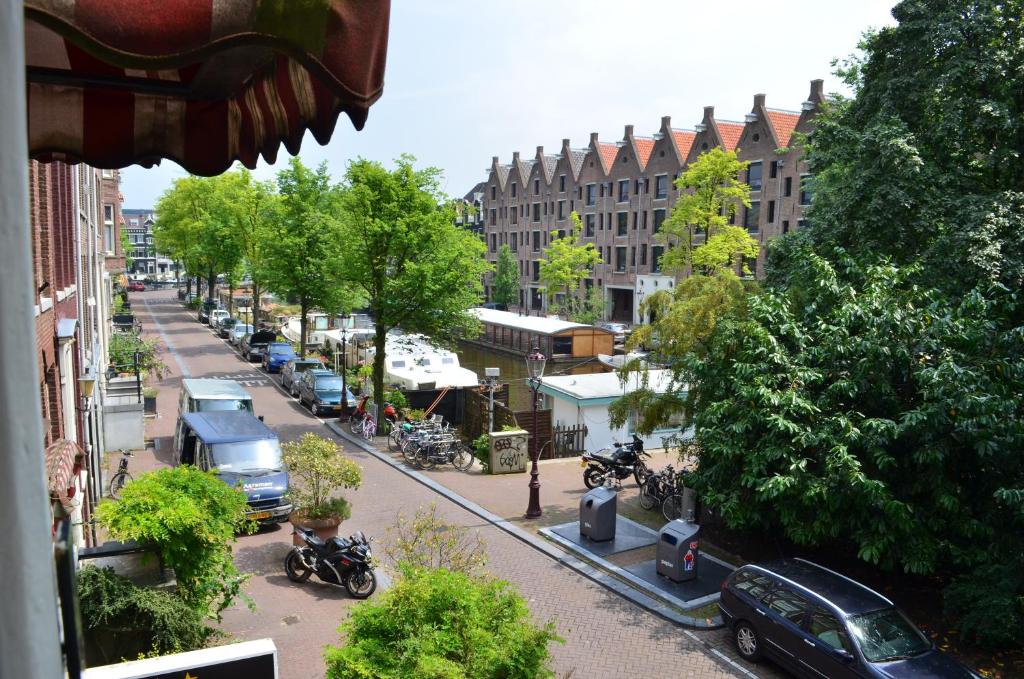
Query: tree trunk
[[379, 336], [254, 304], [211, 281], [302, 327], [231, 299]]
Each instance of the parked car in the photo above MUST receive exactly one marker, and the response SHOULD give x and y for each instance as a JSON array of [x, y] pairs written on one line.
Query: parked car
[[293, 369], [818, 623], [237, 332], [321, 390], [204, 311], [215, 316], [620, 330], [136, 286], [254, 345], [224, 327], [276, 355], [241, 451], [199, 395]]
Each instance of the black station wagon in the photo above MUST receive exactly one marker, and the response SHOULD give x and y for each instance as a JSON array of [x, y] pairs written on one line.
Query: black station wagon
[[818, 623]]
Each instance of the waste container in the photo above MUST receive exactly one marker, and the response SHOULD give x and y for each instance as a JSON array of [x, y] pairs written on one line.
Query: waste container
[[598, 508], [678, 549]]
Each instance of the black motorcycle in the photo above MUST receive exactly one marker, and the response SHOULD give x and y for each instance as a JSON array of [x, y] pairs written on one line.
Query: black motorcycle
[[617, 463], [338, 561]]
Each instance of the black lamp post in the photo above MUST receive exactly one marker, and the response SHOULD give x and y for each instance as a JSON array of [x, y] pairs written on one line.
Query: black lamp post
[[535, 369], [344, 366]]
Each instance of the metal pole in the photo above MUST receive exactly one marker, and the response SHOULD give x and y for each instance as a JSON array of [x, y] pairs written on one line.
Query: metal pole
[[490, 407], [29, 645], [533, 510], [344, 370], [138, 377]]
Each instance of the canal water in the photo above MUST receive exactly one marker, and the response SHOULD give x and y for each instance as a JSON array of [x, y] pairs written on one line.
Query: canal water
[[513, 370]]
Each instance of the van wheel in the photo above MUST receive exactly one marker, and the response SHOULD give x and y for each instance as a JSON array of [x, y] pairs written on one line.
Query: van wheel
[[747, 642]]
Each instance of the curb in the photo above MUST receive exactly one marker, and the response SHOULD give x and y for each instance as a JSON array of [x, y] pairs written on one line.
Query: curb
[[605, 580]]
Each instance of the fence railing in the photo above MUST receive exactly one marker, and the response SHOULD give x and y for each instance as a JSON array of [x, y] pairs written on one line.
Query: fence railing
[[568, 441]]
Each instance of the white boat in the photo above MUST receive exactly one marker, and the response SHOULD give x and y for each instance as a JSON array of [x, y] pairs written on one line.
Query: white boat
[[316, 325], [616, 362], [358, 329], [412, 363]]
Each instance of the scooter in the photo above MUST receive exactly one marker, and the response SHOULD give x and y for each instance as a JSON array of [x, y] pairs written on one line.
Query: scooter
[[625, 459], [338, 561]]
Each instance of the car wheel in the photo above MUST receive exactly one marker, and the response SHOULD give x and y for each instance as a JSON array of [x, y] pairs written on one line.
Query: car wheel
[[748, 644]]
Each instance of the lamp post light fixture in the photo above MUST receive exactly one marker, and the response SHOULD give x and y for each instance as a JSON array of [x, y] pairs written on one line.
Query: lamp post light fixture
[[344, 366], [535, 362]]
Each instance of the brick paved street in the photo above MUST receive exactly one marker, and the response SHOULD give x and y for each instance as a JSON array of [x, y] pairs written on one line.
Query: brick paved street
[[605, 634]]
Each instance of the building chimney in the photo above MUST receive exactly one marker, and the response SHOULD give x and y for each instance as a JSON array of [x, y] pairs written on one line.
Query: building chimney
[[515, 156], [628, 133], [540, 151], [565, 143], [494, 160], [817, 90], [593, 138], [666, 124], [709, 113], [758, 101]]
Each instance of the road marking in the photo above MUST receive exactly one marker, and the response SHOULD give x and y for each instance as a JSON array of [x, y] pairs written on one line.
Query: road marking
[[167, 342]]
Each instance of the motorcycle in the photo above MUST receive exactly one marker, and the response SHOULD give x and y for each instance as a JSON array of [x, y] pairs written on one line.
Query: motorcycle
[[625, 459], [338, 561]]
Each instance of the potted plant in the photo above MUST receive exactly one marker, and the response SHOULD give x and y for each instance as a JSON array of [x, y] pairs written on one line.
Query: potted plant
[[318, 469], [149, 399]]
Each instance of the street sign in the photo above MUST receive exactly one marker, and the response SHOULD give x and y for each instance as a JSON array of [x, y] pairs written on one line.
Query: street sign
[[246, 660]]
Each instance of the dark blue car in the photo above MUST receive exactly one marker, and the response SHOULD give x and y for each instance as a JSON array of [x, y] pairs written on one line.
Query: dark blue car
[[243, 452], [818, 623], [277, 355], [322, 391]]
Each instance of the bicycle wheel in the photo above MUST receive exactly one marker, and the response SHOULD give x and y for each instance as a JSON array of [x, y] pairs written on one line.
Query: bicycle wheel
[[118, 482], [463, 458], [355, 424], [649, 493], [425, 457], [672, 507], [410, 449], [395, 440], [369, 428]]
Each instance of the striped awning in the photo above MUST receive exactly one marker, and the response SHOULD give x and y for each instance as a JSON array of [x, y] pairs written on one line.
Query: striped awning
[[60, 459], [202, 82]]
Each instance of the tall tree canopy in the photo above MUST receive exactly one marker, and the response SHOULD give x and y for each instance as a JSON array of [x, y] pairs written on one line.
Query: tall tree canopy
[[566, 263], [400, 248], [505, 286]]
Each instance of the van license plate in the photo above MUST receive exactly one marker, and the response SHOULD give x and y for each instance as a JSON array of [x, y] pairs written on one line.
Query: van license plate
[[259, 515], [583, 463]]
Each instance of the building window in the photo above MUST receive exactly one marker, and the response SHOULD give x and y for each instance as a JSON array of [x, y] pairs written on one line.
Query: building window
[[108, 213], [561, 209], [643, 255], [515, 215], [620, 260], [561, 183], [659, 217], [623, 190], [806, 191], [591, 190], [623, 223], [108, 174], [494, 216], [536, 241], [788, 187], [536, 270], [589, 226], [656, 252], [108, 235], [643, 223], [773, 169], [754, 176], [494, 192], [515, 242], [661, 186], [600, 222], [801, 224], [536, 212], [494, 242], [771, 211], [536, 187], [785, 226], [750, 219], [514, 189]]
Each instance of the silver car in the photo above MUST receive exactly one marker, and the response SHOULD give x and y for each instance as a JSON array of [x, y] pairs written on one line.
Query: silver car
[[620, 330], [237, 332]]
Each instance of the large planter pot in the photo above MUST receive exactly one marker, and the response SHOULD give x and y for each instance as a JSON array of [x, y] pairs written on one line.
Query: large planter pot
[[150, 404], [325, 529]]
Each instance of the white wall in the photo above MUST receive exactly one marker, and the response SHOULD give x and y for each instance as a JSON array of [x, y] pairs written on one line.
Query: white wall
[[600, 433]]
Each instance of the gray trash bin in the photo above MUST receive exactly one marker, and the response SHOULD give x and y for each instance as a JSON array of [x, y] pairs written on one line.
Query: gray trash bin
[[598, 508], [678, 549]]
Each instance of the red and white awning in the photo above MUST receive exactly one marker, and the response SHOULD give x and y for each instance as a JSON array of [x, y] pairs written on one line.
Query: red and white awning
[[202, 82]]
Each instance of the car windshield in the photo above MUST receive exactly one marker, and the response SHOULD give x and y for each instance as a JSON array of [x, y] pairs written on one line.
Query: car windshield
[[243, 329], [228, 322], [887, 635], [303, 367], [328, 384], [279, 349], [212, 405], [247, 456]]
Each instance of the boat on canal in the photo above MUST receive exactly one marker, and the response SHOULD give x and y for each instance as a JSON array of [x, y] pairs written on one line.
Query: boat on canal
[[414, 364], [557, 339]]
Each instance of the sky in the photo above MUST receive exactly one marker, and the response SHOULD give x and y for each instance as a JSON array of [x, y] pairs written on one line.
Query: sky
[[470, 79]]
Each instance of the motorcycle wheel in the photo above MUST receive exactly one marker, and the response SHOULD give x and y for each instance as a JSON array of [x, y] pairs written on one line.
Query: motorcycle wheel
[[641, 474], [593, 477], [360, 584], [294, 569], [648, 495]]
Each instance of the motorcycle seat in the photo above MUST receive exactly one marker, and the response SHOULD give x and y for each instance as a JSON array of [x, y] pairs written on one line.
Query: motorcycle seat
[[609, 456]]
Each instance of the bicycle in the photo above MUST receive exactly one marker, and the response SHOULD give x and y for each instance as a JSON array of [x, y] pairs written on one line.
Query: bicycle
[[657, 486], [121, 477], [369, 427]]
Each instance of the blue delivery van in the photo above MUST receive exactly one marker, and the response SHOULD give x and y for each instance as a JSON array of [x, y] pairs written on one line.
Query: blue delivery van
[[243, 452]]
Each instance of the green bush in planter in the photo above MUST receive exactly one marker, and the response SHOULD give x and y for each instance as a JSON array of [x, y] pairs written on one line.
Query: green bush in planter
[[189, 518], [318, 469]]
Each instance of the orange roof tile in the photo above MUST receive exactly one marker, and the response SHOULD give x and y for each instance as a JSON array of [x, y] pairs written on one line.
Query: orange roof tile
[[607, 152], [730, 133], [784, 123], [644, 146], [684, 141]]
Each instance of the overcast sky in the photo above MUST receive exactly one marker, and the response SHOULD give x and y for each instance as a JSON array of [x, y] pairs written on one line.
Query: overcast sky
[[471, 79]]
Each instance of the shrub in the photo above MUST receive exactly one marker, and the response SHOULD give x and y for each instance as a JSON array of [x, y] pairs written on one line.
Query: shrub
[[318, 467], [123, 346], [428, 541], [482, 451], [122, 620], [396, 397], [189, 518], [437, 623], [988, 606]]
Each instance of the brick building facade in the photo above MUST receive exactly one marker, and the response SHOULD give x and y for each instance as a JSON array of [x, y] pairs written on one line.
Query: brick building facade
[[624, 190]]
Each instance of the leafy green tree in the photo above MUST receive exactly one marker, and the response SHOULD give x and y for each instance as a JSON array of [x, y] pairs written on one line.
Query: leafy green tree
[[302, 264], [567, 261], [401, 250], [505, 286], [126, 250], [439, 623], [190, 518], [256, 207]]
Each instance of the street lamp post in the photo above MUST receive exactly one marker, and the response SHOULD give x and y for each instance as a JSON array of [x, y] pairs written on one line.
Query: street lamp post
[[535, 369], [344, 365]]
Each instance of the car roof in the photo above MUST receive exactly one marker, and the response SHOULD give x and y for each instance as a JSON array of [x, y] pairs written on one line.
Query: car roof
[[228, 426], [214, 389], [323, 373], [281, 344], [307, 360], [847, 595]]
